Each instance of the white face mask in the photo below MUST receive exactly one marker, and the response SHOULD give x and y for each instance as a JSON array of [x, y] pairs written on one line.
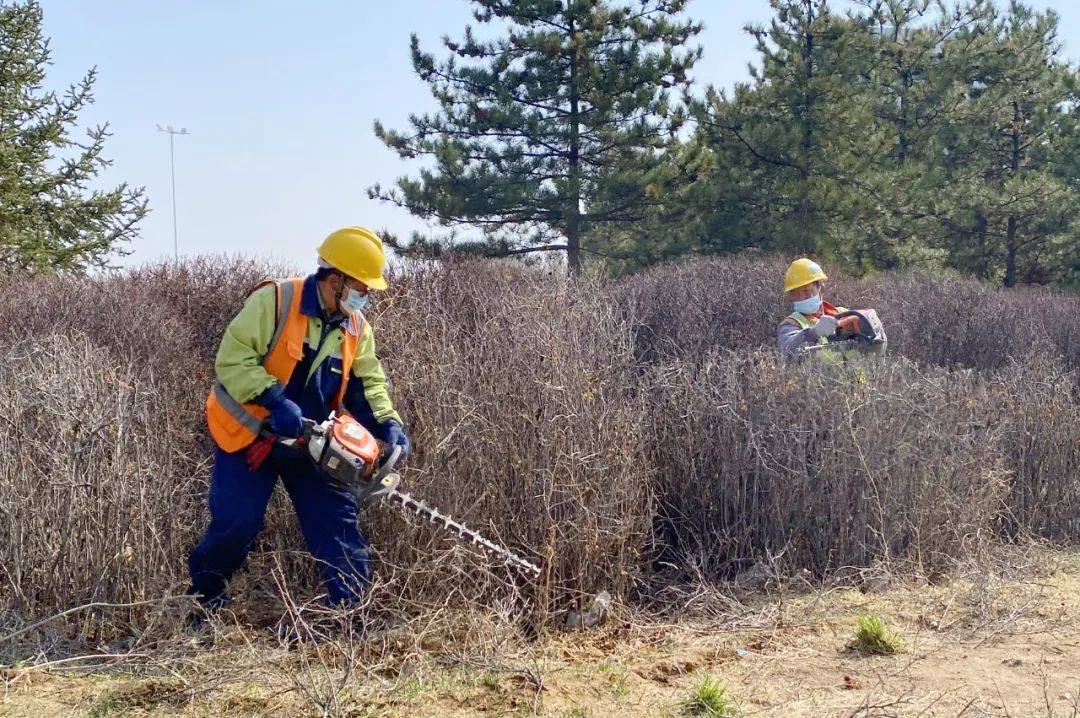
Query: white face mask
[[810, 305], [354, 301]]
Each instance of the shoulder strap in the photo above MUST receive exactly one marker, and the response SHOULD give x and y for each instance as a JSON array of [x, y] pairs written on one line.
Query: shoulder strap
[[287, 293], [801, 319], [286, 345], [350, 343]]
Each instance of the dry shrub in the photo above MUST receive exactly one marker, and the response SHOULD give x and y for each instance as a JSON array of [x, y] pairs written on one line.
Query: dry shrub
[[94, 477], [520, 394], [105, 460], [1038, 410], [685, 309], [574, 421], [519, 391], [956, 321], [825, 467], [155, 315]]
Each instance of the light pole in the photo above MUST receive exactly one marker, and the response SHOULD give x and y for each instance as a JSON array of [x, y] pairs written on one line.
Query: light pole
[[172, 168]]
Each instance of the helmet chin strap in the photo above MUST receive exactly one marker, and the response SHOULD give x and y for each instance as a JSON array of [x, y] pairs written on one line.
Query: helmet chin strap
[[335, 295], [338, 297]]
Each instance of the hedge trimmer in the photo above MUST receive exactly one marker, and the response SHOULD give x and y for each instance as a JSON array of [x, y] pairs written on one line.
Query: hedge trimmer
[[869, 338], [352, 460]]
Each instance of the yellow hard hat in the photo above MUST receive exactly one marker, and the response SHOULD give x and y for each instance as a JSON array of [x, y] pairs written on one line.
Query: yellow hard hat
[[357, 252], [802, 272]]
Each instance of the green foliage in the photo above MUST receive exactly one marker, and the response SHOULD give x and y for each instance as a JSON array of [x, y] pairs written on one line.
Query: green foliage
[[709, 698], [874, 638], [901, 133], [555, 129], [108, 705], [879, 135], [1009, 200], [50, 219]]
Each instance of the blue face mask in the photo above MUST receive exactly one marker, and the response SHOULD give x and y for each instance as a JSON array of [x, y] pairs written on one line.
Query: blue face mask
[[810, 305], [354, 301]]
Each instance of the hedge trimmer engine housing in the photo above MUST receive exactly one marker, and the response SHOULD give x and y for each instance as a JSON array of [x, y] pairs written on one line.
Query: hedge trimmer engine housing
[[352, 460], [871, 329]]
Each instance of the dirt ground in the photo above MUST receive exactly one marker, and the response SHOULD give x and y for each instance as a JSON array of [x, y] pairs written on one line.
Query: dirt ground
[[979, 645]]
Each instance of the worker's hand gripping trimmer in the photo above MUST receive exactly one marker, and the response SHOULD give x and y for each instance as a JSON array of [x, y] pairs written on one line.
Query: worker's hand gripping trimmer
[[353, 461]]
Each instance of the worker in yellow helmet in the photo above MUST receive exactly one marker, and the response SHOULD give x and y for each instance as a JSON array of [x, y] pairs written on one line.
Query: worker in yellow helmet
[[813, 321], [298, 349]]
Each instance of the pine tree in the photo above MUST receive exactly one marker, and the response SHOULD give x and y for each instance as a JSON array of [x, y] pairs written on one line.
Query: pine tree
[[1010, 211], [553, 130], [788, 125], [906, 132], [699, 209], [49, 217], [905, 88]]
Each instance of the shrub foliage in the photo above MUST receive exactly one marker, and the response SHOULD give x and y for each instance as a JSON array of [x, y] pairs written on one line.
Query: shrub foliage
[[603, 428]]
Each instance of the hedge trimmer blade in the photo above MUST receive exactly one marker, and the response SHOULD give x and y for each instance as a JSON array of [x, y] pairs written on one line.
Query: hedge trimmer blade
[[834, 345], [461, 531], [352, 459]]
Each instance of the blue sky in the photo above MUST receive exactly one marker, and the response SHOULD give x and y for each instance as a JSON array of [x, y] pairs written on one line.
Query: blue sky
[[279, 99]]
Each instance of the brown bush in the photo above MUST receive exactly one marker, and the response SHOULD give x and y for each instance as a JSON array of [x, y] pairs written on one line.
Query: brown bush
[[508, 392], [1037, 414], [822, 467], [955, 321], [582, 423], [686, 309], [97, 477], [520, 393]]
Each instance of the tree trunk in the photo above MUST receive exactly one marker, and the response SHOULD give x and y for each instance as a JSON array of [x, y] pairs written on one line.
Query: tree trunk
[[1011, 226], [573, 210], [902, 122], [802, 209], [982, 261], [1010, 257]]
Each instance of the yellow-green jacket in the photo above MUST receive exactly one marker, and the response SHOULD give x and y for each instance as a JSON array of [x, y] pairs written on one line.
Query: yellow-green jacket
[[317, 376]]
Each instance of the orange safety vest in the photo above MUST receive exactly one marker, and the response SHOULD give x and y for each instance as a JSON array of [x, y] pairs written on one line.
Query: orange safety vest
[[234, 425]]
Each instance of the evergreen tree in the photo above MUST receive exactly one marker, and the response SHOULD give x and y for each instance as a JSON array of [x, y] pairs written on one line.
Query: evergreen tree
[[554, 130], [788, 127], [698, 207], [49, 217], [906, 91], [1011, 205], [906, 132]]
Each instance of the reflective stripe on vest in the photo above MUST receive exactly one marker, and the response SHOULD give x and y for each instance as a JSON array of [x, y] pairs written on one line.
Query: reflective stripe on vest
[[286, 293], [249, 421], [234, 425]]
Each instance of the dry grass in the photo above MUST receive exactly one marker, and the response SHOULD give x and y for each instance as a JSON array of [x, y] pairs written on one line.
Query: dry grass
[[1009, 652]]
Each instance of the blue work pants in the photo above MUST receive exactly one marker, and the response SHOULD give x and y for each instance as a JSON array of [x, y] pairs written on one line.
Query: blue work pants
[[238, 499]]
